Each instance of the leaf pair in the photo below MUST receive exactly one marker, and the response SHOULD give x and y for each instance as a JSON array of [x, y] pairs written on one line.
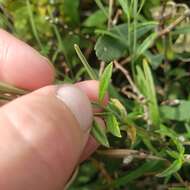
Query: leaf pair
[[111, 120]]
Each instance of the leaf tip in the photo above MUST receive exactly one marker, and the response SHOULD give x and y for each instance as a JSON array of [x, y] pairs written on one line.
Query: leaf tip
[[76, 46]]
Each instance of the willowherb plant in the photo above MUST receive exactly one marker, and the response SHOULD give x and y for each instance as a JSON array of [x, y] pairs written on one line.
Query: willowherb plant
[[143, 47]]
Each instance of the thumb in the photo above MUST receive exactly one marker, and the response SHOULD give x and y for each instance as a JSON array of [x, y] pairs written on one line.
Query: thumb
[[42, 137]]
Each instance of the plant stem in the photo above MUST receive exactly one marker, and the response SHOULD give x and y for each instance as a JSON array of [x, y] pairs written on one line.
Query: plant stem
[[122, 153], [111, 2]]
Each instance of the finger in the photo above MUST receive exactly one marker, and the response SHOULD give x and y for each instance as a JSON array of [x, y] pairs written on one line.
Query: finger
[[91, 88], [92, 144], [21, 65], [47, 131]]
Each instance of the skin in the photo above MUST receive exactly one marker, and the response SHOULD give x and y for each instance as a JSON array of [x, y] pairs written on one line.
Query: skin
[[44, 134]]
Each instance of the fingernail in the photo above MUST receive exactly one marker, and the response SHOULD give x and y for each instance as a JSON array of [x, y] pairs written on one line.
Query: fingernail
[[78, 103]]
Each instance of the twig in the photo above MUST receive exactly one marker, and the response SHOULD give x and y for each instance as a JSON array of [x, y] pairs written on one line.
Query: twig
[[122, 153], [102, 66], [174, 24], [6, 88], [101, 168], [125, 61], [125, 72], [116, 17]]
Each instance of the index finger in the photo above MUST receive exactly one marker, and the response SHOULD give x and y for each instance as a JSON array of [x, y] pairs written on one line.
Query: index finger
[[21, 65]]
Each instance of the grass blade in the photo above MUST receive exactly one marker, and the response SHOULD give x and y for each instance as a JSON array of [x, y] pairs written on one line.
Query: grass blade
[[88, 68]]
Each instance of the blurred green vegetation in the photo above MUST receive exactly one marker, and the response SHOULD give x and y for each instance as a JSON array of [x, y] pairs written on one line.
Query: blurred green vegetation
[[149, 43]]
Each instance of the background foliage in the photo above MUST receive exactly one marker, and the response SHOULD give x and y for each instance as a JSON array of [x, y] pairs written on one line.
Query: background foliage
[[148, 115]]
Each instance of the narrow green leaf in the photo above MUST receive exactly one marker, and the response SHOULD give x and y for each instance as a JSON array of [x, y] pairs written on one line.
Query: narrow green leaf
[[167, 131], [140, 7], [125, 6], [141, 80], [151, 93], [149, 78], [113, 125], [104, 81], [146, 44], [96, 19], [146, 86], [173, 154], [101, 6], [33, 25], [119, 107], [173, 168], [99, 134], [88, 68]]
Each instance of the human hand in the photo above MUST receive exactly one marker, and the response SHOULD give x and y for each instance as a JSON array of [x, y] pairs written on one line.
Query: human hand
[[45, 133]]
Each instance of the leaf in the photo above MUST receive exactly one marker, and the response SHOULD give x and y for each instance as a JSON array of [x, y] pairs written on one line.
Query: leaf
[[165, 131], [173, 154], [118, 105], [99, 134], [147, 141], [177, 113], [148, 7], [71, 11], [96, 19], [125, 6], [33, 25], [114, 43], [101, 6], [88, 68], [113, 125], [174, 167], [145, 44], [132, 133], [150, 93], [104, 81], [141, 81], [153, 107], [108, 48], [154, 59]]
